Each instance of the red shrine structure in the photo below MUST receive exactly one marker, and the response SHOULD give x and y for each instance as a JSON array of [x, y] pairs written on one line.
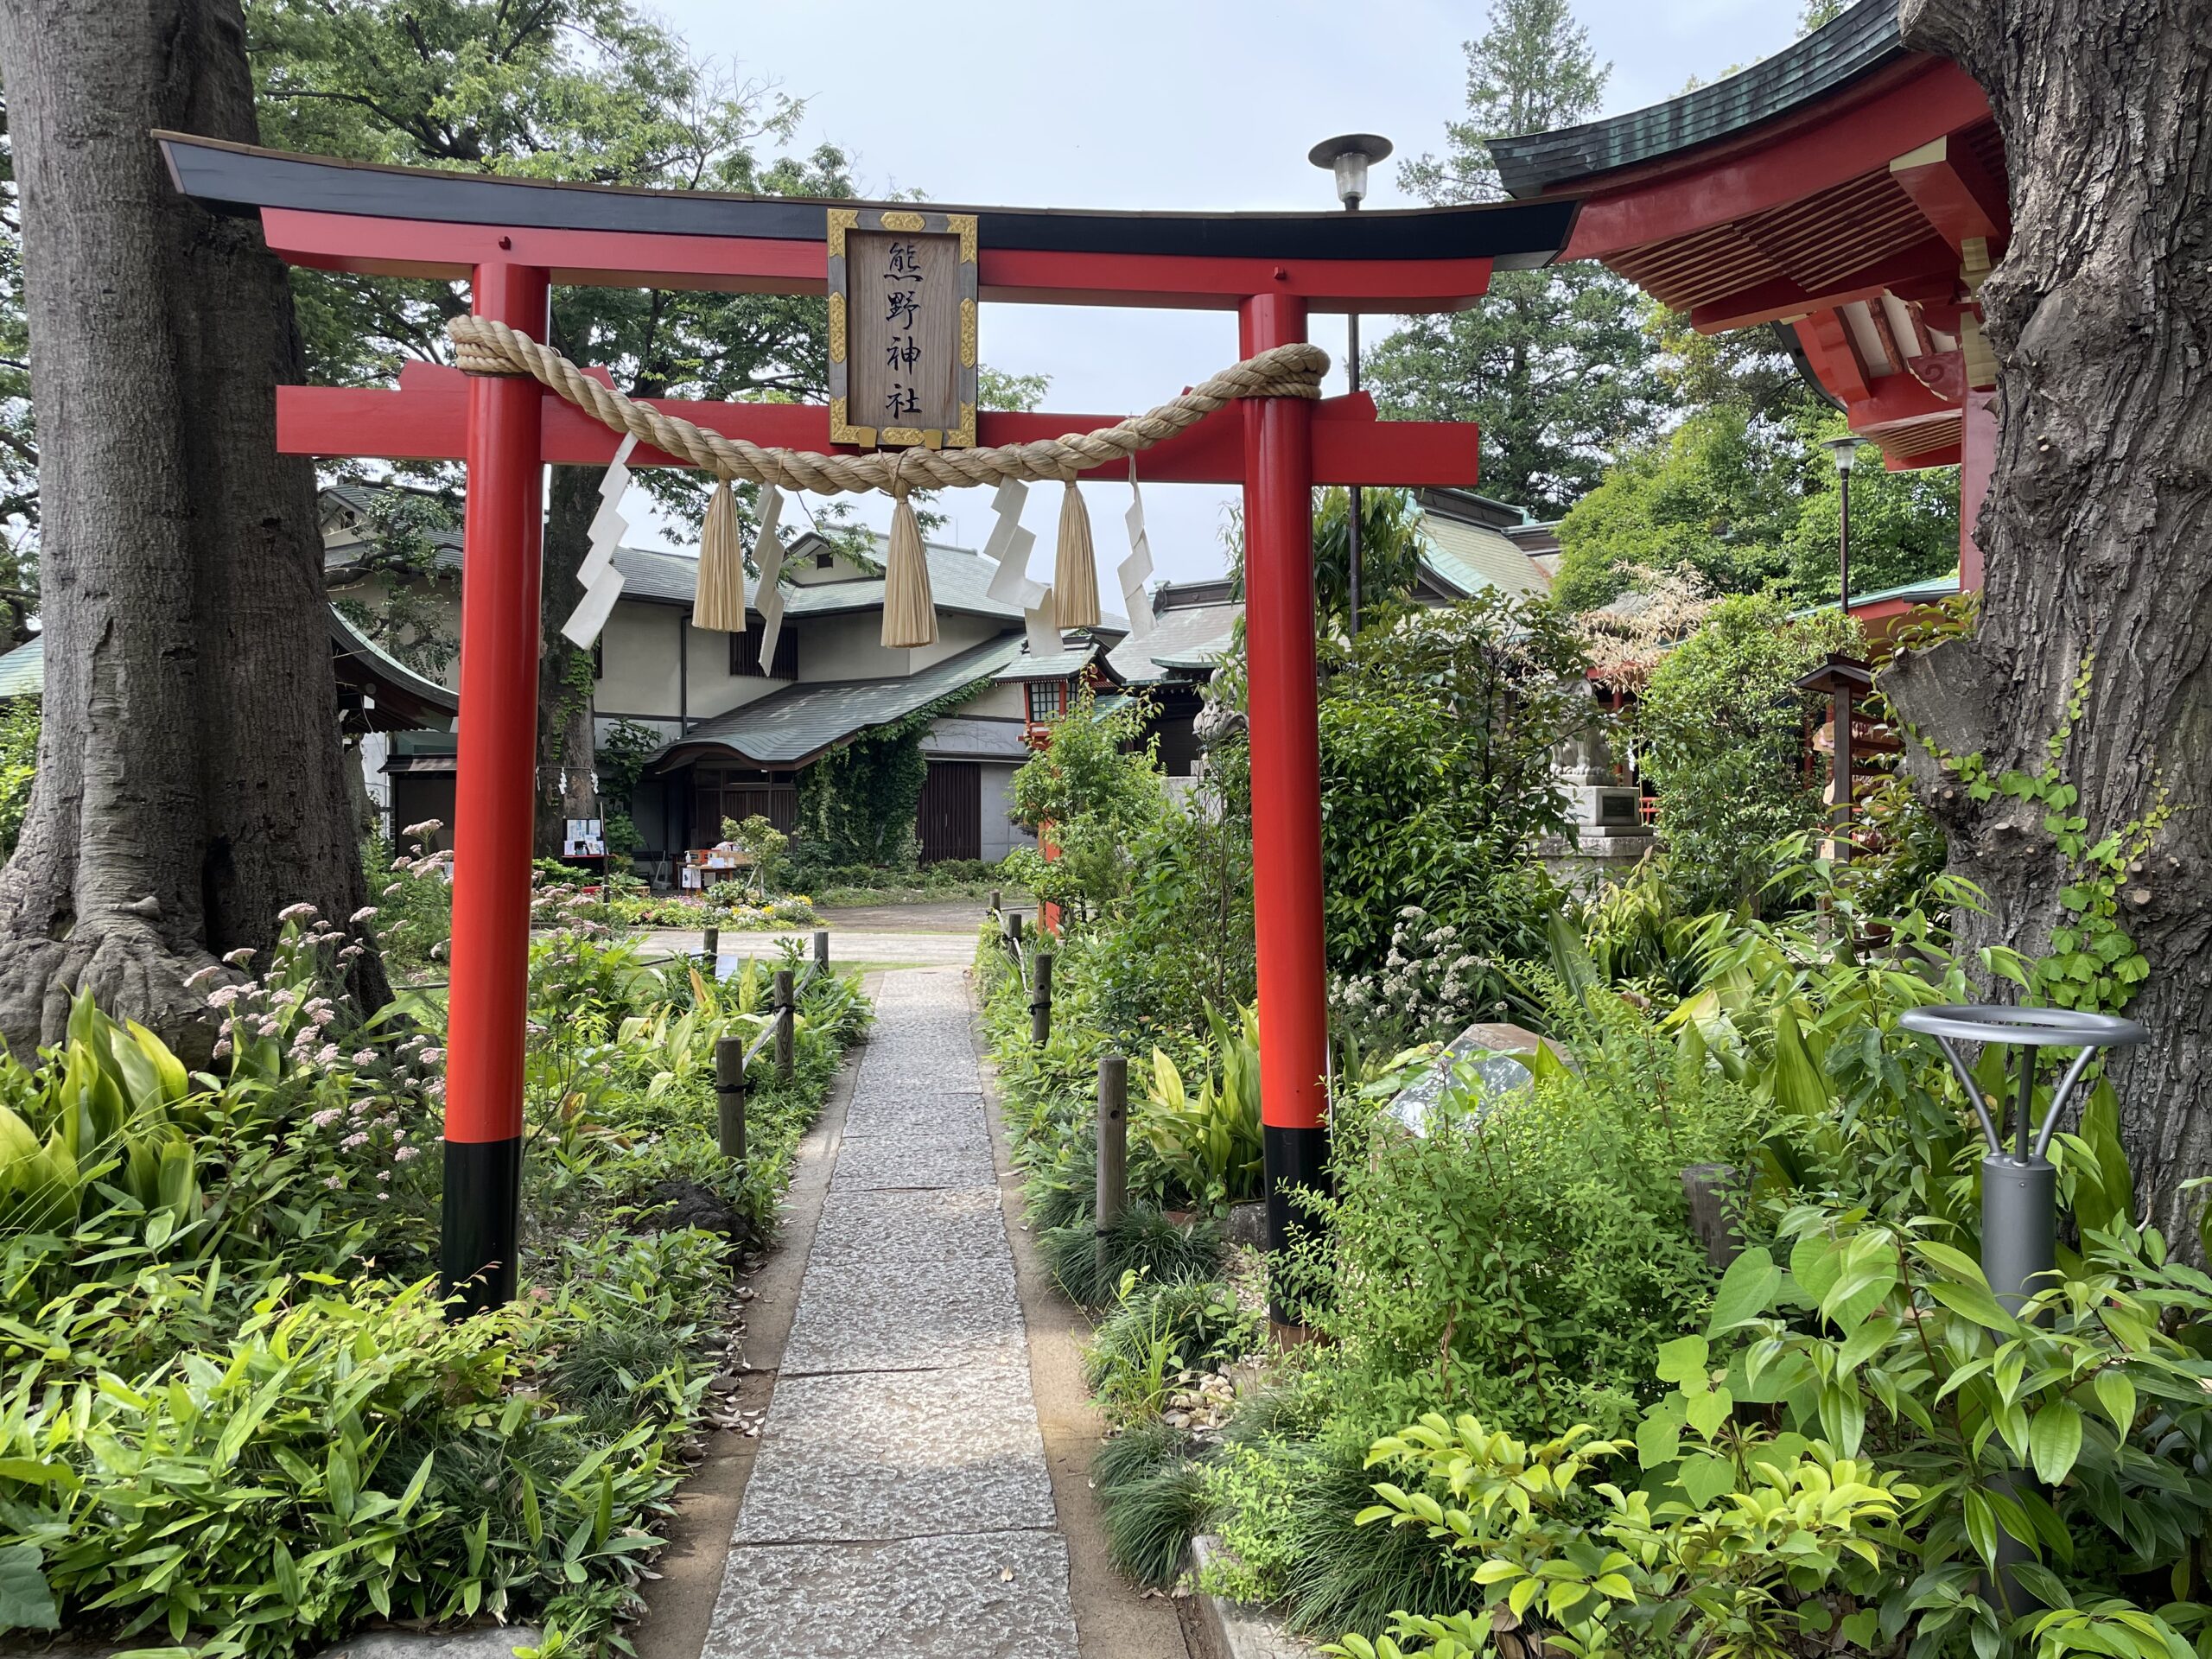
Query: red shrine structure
[[1852, 195], [511, 239], [1846, 190]]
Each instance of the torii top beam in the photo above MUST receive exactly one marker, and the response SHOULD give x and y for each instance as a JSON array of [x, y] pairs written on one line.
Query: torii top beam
[[418, 222], [413, 222]]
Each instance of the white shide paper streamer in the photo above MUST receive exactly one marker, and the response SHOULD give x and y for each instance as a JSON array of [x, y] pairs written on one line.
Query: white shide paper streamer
[[768, 560], [1009, 545], [602, 583], [1136, 570], [1044, 632]]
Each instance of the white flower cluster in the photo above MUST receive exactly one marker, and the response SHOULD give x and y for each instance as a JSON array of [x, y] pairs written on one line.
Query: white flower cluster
[[567, 908], [387, 1113], [1428, 984]]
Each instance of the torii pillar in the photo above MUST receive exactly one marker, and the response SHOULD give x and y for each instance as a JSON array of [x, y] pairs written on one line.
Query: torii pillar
[[1284, 721], [494, 802]]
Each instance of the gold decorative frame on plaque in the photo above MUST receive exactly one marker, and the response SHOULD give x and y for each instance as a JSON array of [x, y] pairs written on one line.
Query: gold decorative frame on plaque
[[957, 427]]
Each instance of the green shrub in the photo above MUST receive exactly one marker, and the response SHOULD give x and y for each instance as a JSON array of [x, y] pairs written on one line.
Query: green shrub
[[1180, 940], [1209, 1142], [620, 761], [1150, 1512], [1158, 1330], [1722, 722], [104, 1124], [1525, 1257], [344, 1456], [236, 1418], [413, 919], [1343, 1577], [1144, 1240], [1437, 738], [1098, 786], [19, 726], [1597, 1568]]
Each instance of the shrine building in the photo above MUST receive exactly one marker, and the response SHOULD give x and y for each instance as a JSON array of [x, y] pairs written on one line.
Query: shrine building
[[1847, 190]]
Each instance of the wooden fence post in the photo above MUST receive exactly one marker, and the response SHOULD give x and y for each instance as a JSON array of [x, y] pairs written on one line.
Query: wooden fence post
[[1040, 999], [1113, 1189], [1011, 934], [821, 949], [729, 1096], [1715, 1193], [998, 906], [786, 1025], [712, 950]]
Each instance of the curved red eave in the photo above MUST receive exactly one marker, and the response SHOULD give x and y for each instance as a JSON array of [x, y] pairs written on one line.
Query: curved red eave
[[1862, 211]]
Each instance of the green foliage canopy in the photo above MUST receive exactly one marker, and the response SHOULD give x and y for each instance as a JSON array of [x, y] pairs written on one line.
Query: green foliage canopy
[[1094, 790], [1722, 724], [1752, 505], [1554, 365], [1390, 555], [18, 761], [1437, 736]]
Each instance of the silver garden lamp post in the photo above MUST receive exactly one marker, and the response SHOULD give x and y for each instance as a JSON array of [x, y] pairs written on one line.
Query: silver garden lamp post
[[1845, 449], [1348, 156], [2019, 1186]]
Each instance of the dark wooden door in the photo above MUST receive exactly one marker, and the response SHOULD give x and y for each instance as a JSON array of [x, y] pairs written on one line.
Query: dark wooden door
[[951, 817], [417, 797]]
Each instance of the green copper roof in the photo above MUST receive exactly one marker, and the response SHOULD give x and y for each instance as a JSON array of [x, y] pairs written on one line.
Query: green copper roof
[[23, 670], [1863, 39], [1932, 591], [1060, 665], [792, 727], [1469, 557]]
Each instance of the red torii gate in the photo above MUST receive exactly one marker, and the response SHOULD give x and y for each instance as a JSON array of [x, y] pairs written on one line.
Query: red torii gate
[[511, 239]]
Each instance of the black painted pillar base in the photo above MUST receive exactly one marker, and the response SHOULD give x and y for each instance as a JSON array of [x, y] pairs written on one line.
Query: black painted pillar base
[[1297, 1158], [482, 1223]]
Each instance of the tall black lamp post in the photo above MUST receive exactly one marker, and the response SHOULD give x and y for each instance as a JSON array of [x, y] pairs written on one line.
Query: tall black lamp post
[[1846, 450], [1349, 155]]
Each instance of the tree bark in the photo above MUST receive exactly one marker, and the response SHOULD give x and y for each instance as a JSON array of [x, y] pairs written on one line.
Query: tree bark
[[2097, 530], [189, 780], [565, 748]]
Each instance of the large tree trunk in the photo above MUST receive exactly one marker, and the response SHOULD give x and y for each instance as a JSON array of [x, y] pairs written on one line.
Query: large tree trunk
[[189, 784], [565, 749], [2098, 527]]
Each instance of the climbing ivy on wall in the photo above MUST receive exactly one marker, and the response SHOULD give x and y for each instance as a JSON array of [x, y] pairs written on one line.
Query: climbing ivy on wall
[[2092, 962], [857, 805]]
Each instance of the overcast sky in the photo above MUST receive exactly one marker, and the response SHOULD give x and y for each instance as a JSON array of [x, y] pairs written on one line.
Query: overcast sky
[[1148, 104]]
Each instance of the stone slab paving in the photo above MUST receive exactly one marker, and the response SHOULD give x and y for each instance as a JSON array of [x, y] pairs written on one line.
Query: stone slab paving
[[888, 1454], [1000, 1596], [917, 1115], [908, 1313], [946, 1223], [891, 1163], [900, 1506]]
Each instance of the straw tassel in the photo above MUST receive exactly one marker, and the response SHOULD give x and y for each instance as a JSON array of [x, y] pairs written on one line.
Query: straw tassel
[[1075, 571], [909, 614], [720, 601]]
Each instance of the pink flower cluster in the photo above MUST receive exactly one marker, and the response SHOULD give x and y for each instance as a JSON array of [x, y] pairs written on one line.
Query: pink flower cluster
[[375, 1102]]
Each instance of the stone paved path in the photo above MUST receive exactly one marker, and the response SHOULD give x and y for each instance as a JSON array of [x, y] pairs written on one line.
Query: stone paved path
[[847, 946], [901, 1507]]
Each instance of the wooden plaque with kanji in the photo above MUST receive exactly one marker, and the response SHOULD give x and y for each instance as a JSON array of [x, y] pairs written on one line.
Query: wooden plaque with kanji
[[902, 329]]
